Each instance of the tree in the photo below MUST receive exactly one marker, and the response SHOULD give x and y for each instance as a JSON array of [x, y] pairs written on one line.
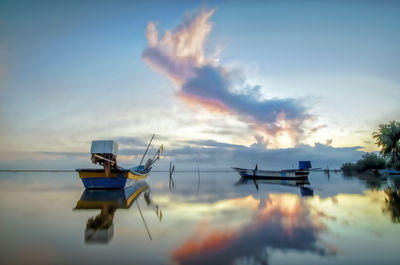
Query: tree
[[388, 140], [370, 161]]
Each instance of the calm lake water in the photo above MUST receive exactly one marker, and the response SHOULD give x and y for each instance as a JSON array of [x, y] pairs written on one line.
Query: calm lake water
[[46, 218]]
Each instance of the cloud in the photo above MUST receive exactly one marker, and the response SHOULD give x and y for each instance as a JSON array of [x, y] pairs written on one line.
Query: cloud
[[260, 142], [210, 154], [130, 141], [200, 79], [317, 128], [210, 143], [213, 154]]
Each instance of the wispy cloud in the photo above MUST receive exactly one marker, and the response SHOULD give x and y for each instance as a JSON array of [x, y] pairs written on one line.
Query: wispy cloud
[[200, 79]]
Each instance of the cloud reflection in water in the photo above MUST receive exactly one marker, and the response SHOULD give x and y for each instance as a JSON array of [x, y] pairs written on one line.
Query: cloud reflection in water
[[282, 222]]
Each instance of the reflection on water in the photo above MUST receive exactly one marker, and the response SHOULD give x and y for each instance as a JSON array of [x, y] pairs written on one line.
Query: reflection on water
[[335, 220], [392, 200], [305, 190], [391, 187], [100, 229], [280, 221], [371, 179]]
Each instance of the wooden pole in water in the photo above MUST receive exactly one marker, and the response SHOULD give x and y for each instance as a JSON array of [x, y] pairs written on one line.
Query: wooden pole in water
[[198, 181], [170, 173], [172, 180]]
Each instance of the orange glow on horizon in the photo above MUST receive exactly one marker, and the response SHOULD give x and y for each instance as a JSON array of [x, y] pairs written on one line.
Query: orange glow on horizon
[[211, 105]]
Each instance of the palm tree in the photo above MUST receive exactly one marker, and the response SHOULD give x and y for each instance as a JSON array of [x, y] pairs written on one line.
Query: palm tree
[[388, 140]]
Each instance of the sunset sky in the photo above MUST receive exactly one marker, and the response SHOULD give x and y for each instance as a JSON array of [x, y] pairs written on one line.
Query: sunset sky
[[228, 79]]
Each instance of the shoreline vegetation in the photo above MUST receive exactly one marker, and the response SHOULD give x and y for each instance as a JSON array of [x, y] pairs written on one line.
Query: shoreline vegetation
[[388, 140], [368, 162]]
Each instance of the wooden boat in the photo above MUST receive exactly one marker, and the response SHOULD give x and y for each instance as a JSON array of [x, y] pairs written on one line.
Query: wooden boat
[[119, 178], [301, 173], [112, 176], [389, 172]]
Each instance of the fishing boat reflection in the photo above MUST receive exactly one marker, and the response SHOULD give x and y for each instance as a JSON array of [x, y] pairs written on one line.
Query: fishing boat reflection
[[100, 228], [301, 183]]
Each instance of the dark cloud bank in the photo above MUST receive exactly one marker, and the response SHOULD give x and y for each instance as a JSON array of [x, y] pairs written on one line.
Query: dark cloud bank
[[210, 154], [222, 156]]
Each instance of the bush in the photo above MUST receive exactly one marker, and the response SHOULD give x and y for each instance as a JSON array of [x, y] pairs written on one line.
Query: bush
[[348, 168], [395, 165], [368, 161]]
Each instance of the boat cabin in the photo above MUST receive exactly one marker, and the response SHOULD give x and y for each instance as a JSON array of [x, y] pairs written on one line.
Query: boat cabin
[[305, 165], [104, 153]]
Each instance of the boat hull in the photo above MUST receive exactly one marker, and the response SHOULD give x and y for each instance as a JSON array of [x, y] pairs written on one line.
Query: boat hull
[[119, 179], [291, 174], [389, 172]]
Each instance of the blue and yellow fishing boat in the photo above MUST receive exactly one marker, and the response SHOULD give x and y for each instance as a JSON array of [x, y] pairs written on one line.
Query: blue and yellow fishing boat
[[112, 176], [118, 179]]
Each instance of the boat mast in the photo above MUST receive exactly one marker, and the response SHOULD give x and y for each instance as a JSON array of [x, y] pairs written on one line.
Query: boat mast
[[145, 152]]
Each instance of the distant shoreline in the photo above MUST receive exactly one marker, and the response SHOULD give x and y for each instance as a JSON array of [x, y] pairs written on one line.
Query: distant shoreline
[[73, 170]]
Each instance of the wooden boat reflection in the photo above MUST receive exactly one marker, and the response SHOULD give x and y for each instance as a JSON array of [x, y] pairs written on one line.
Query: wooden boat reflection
[[100, 229], [301, 183], [306, 192]]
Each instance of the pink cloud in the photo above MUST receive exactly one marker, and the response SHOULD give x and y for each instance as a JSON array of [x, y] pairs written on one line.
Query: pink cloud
[[180, 56]]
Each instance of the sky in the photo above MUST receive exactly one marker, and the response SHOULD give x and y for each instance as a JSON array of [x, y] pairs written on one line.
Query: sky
[[220, 82]]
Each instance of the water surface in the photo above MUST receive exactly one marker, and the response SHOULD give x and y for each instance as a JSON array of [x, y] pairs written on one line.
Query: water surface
[[334, 220]]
